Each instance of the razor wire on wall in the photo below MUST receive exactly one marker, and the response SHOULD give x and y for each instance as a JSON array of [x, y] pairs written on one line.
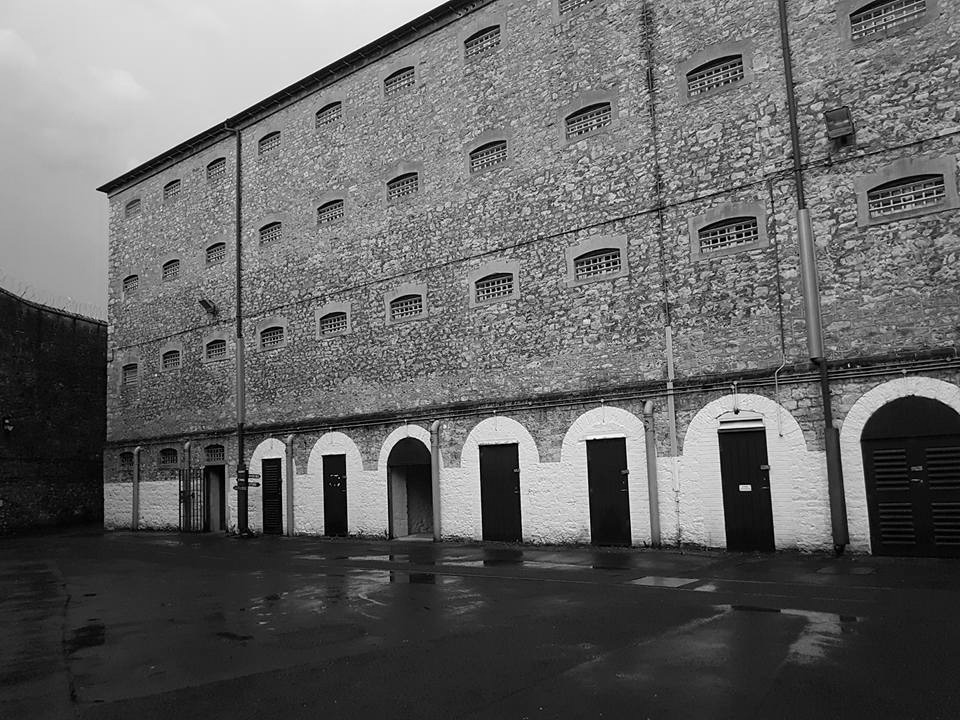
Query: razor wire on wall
[[26, 291]]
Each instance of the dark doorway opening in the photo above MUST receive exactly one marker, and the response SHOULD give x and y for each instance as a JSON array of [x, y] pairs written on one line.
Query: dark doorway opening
[[745, 475], [214, 479], [335, 495], [500, 492], [911, 462], [410, 489], [272, 486], [607, 477]]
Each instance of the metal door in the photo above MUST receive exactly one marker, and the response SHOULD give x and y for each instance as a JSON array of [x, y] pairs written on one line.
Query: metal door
[[607, 477], [193, 513], [500, 492], [335, 495], [272, 497], [745, 473], [911, 455]]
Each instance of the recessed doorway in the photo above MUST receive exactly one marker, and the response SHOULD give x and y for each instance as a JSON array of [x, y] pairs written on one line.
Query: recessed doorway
[[410, 489]]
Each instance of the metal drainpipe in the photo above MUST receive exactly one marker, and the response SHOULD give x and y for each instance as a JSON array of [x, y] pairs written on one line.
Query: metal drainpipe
[[811, 304], [289, 479], [435, 476], [243, 509], [135, 520], [652, 485]]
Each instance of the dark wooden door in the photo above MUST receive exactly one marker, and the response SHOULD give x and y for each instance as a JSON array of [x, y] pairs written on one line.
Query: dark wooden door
[[609, 492], [272, 497], [335, 495], [745, 473], [500, 492], [911, 463]]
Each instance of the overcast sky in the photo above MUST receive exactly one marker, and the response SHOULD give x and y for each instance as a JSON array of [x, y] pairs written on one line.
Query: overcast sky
[[91, 88]]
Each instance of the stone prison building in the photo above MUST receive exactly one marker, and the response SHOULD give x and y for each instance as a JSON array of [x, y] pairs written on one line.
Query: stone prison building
[[626, 272]]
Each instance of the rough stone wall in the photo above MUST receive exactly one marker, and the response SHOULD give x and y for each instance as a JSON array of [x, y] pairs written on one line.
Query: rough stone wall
[[53, 398]]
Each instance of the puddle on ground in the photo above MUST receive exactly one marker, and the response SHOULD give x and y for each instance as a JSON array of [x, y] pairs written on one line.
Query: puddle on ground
[[92, 635]]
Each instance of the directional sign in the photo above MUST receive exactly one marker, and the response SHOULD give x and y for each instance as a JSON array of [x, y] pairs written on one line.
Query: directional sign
[[253, 475], [254, 484]]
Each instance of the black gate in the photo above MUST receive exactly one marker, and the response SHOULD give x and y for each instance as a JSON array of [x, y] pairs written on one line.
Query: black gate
[[745, 475], [607, 477], [500, 492], [193, 501]]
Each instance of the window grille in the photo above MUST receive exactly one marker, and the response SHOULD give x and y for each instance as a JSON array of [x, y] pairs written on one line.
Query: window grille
[[269, 143], [493, 287], [216, 349], [217, 170], [333, 323], [130, 375], [131, 284], [126, 460], [171, 360], [403, 186], [271, 233], [880, 16], [329, 114], [728, 233], [330, 212], [271, 337], [482, 43], [171, 270], [214, 454], [400, 82], [407, 306], [171, 191], [904, 195], [168, 456], [216, 253], [132, 208], [589, 119], [597, 263], [488, 155], [568, 6], [716, 73]]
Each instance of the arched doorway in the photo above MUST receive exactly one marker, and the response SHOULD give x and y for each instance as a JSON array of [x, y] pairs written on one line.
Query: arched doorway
[[911, 460], [410, 489]]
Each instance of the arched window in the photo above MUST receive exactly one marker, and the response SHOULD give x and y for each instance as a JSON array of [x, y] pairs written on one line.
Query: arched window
[[168, 456], [216, 350], [406, 306], [715, 74], [330, 212], [488, 155], [170, 360], [272, 337], [217, 170], [216, 253], [329, 114], [130, 375], [400, 82], [597, 263], [403, 186], [482, 43], [728, 233], [334, 323], [131, 283], [214, 454], [883, 15], [126, 461], [589, 119], [269, 142], [906, 195], [568, 6], [132, 208], [271, 232], [171, 270], [171, 191], [494, 287]]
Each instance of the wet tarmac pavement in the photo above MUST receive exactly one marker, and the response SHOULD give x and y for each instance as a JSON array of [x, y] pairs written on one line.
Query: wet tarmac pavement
[[122, 626]]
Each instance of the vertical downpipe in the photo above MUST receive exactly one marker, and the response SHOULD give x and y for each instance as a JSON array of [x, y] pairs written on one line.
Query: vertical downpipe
[[135, 520], [653, 490], [185, 474], [435, 476], [289, 484], [811, 306]]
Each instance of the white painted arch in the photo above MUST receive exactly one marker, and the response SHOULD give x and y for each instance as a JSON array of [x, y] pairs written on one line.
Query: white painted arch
[[362, 505], [268, 449], [851, 455]]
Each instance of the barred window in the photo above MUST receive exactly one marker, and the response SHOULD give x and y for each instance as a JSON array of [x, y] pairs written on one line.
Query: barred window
[[216, 350], [488, 155], [403, 186], [170, 360], [877, 17], [407, 306], [271, 337], [493, 287], [715, 74], [329, 114], [216, 253], [213, 454], [217, 170], [269, 143], [126, 461], [271, 232], [171, 270], [333, 323], [598, 263], [131, 283], [728, 233], [168, 456], [482, 43], [400, 82], [906, 194], [132, 208], [171, 191], [130, 375], [568, 6], [589, 119], [330, 212]]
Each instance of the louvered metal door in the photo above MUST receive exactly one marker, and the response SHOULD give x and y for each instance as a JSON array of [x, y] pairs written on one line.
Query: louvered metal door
[[500, 492], [913, 495], [272, 498]]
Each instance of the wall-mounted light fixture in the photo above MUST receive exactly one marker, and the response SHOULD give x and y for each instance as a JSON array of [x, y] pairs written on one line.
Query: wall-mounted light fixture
[[209, 306], [840, 126]]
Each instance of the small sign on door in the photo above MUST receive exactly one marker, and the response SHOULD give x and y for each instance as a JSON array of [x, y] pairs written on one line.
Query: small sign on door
[[746, 488]]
